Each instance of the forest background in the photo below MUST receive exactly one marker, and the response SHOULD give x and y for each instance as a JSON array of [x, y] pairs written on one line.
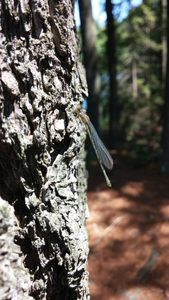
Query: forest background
[[129, 260], [140, 48]]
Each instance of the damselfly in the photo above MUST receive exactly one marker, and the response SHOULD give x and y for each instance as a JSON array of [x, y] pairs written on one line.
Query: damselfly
[[102, 153]]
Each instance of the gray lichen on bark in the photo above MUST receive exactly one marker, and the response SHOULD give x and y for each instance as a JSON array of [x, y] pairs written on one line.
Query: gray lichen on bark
[[42, 160]]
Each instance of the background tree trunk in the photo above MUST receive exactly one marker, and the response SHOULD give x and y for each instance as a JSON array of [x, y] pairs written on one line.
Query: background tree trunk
[[42, 167], [163, 38], [113, 142], [89, 34], [165, 167], [134, 80]]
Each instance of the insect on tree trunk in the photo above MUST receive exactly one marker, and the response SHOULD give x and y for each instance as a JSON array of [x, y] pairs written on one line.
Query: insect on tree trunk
[[42, 160]]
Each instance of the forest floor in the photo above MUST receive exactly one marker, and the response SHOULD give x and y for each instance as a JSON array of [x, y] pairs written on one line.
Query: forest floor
[[128, 230]]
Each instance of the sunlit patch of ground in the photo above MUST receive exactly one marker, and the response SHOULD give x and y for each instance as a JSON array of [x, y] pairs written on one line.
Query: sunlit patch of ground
[[128, 229]]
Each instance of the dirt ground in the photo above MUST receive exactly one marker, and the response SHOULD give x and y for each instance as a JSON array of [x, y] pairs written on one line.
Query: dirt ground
[[128, 232]]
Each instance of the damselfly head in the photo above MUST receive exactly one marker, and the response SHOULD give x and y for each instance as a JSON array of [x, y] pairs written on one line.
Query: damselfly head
[[82, 114], [78, 108]]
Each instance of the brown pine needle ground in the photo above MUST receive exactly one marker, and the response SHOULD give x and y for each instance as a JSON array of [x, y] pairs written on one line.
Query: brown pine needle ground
[[128, 232]]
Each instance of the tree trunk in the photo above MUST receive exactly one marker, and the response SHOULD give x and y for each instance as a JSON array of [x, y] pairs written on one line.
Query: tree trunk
[[163, 38], [165, 167], [134, 80], [112, 73], [88, 31], [42, 160]]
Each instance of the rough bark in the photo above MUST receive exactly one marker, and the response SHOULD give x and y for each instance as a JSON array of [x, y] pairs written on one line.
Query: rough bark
[[42, 161], [165, 167], [89, 35], [14, 277], [111, 50]]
